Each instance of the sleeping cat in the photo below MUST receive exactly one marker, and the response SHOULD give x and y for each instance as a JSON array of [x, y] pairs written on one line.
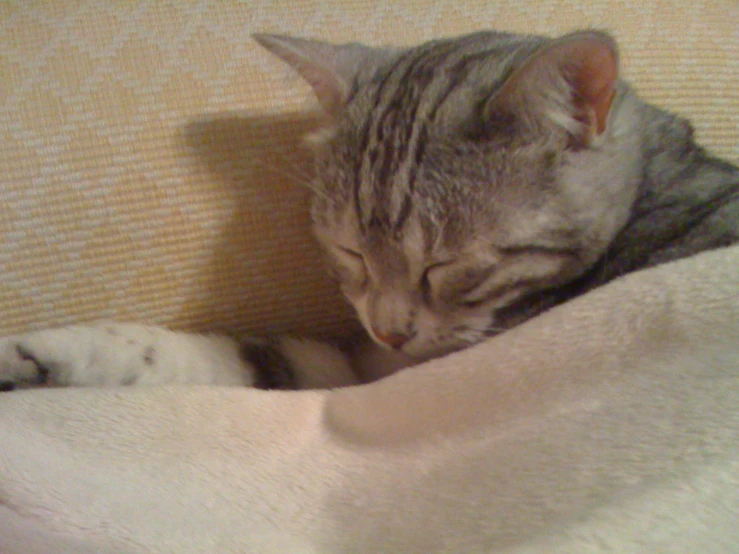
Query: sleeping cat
[[462, 187]]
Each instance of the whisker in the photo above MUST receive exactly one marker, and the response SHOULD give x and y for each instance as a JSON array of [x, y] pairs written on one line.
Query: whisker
[[294, 172]]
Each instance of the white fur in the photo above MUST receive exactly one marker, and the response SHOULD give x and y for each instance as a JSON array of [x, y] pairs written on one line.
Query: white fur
[[113, 354]]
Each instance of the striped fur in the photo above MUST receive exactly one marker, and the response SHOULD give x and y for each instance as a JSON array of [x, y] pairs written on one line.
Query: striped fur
[[467, 184]]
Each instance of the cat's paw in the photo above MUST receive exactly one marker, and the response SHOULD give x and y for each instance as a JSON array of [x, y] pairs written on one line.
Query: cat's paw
[[19, 366], [40, 358]]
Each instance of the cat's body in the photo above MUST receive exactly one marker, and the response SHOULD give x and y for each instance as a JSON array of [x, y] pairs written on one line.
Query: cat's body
[[463, 186]]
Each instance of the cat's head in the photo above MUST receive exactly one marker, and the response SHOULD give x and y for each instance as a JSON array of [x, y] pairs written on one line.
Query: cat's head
[[460, 176]]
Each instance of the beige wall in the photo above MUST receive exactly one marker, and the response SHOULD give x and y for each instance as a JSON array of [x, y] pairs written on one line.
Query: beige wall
[[150, 167]]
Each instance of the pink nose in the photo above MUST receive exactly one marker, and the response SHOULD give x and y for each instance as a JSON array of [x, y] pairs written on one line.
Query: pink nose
[[393, 340]]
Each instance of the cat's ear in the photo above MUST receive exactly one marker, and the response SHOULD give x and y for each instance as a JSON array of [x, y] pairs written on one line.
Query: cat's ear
[[328, 68], [569, 82]]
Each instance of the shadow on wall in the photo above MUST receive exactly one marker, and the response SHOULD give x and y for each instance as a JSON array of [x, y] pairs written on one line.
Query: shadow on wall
[[266, 274]]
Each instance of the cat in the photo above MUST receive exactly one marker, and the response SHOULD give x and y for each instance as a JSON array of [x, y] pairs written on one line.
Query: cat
[[462, 187]]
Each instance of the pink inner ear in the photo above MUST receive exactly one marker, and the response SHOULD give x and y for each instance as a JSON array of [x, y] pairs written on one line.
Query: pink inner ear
[[595, 84]]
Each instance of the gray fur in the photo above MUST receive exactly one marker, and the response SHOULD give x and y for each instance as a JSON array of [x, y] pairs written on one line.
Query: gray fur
[[461, 188]]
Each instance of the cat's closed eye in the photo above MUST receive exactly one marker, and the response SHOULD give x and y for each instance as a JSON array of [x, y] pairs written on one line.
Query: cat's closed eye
[[353, 254], [515, 269], [481, 295], [451, 283]]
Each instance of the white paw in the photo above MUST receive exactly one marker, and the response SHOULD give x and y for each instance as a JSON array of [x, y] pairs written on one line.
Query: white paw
[[19, 367], [119, 354], [45, 357]]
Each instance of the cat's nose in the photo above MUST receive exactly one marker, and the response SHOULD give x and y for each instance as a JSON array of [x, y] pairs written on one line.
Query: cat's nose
[[393, 340]]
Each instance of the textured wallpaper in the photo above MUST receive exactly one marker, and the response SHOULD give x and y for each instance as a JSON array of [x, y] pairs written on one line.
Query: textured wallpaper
[[151, 167]]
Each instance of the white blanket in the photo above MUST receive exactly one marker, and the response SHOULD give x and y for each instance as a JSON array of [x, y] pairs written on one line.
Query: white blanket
[[610, 424]]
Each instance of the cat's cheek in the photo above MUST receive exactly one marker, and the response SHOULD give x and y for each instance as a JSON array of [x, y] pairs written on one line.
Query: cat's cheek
[[352, 289], [465, 327], [351, 281], [428, 341], [360, 304]]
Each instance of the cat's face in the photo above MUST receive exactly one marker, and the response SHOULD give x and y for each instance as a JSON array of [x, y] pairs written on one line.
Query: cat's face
[[440, 203], [427, 267]]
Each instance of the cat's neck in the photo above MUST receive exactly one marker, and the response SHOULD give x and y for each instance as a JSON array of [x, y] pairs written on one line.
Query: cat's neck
[[686, 202]]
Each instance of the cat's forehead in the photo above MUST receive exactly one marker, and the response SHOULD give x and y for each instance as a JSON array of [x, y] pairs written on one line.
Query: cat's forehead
[[436, 180], [397, 161]]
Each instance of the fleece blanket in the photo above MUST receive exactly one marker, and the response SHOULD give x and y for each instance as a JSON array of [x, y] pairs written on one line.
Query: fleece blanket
[[610, 424]]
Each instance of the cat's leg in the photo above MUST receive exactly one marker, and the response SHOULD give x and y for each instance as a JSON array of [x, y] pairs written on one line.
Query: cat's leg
[[120, 354], [114, 354]]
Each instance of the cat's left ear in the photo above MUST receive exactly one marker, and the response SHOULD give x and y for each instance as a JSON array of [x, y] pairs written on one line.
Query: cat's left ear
[[329, 69], [569, 82]]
